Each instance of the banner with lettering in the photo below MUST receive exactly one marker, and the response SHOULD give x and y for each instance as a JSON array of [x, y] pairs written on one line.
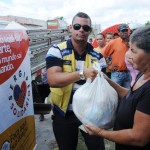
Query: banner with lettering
[[17, 125]]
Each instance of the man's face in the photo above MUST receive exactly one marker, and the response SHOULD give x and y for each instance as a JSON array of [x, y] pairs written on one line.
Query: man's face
[[100, 40], [124, 34], [80, 29], [108, 38]]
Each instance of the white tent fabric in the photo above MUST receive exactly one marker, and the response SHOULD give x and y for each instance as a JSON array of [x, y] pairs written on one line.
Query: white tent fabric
[[14, 25]]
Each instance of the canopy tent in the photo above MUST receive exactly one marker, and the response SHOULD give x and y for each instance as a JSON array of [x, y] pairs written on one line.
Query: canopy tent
[[113, 29]]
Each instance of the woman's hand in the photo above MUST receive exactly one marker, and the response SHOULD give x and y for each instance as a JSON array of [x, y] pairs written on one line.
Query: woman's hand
[[92, 130]]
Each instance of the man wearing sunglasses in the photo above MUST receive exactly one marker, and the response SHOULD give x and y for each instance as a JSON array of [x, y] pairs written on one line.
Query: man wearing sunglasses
[[69, 64]]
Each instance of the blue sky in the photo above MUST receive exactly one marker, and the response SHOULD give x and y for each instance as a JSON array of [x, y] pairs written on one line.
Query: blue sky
[[104, 12], [6, 1]]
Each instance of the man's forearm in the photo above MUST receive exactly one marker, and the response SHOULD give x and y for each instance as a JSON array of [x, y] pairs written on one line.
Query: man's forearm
[[61, 79]]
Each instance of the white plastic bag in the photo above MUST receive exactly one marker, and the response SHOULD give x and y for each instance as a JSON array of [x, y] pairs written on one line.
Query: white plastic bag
[[95, 103]]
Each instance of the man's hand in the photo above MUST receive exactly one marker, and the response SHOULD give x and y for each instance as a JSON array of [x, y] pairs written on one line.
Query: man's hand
[[90, 73]]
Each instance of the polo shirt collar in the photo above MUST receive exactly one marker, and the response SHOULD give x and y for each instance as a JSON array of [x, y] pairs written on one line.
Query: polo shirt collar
[[89, 47]]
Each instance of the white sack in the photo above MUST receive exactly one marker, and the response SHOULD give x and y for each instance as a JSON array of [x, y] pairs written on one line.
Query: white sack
[[95, 103]]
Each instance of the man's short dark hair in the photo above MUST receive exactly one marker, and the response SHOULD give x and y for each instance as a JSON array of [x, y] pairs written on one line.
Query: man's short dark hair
[[101, 34], [82, 15], [109, 33]]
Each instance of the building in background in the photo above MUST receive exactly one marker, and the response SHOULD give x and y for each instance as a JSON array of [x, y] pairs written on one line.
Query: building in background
[[57, 24], [34, 24], [96, 29], [29, 23]]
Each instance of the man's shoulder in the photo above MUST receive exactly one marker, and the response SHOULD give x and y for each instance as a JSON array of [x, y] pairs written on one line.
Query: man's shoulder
[[62, 45], [95, 53], [114, 41], [97, 49]]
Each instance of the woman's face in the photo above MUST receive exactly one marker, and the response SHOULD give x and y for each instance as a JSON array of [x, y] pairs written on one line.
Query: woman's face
[[140, 58]]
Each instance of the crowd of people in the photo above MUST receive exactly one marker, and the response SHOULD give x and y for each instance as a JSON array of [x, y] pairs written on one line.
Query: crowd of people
[[126, 64]]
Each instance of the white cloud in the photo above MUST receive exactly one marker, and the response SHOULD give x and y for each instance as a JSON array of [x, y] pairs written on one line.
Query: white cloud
[[108, 12]]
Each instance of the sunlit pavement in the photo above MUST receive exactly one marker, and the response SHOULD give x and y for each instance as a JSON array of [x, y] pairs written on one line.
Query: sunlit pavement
[[45, 139]]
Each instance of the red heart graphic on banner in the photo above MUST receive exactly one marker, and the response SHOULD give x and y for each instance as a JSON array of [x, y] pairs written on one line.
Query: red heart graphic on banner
[[13, 49], [20, 93]]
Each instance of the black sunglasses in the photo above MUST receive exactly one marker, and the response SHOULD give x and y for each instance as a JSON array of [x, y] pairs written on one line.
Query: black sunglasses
[[86, 28]]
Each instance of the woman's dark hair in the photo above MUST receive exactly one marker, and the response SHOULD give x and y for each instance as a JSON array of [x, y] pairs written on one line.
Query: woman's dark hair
[[82, 15], [141, 37]]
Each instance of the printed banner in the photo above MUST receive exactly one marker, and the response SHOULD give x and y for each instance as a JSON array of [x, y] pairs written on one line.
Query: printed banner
[[17, 125]]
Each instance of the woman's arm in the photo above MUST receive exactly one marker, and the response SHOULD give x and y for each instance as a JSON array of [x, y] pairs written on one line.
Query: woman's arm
[[120, 90]]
